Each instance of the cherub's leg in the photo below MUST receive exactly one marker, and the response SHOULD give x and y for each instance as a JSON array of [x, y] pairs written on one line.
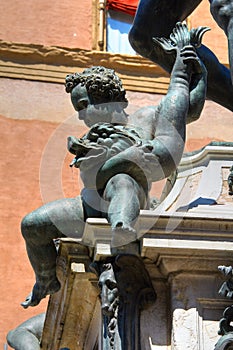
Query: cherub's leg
[[27, 336], [126, 197], [222, 12], [39, 228], [157, 18]]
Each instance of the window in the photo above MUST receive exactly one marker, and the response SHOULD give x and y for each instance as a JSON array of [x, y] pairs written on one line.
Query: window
[[125, 6], [120, 14], [118, 26]]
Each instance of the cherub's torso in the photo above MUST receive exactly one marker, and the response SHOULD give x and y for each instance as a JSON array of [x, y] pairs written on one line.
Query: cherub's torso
[[140, 128]]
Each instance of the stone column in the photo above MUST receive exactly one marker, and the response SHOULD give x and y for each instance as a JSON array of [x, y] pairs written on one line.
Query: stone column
[[126, 289], [73, 318]]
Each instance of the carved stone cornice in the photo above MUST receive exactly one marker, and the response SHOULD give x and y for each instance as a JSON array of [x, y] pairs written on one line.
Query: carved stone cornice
[[52, 63]]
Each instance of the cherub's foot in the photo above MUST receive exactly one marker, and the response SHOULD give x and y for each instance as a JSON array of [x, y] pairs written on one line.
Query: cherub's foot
[[39, 292], [123, 234]]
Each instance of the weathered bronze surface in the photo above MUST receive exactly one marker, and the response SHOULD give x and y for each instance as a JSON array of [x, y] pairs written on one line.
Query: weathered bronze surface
[[163, 16], [119, 157]]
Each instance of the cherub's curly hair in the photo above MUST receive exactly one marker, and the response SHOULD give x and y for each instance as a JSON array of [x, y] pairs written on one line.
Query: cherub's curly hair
[[102, 84]]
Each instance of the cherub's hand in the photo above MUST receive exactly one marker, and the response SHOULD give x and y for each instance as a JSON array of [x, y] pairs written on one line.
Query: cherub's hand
[[196, 35], [189, 56], [147, 149], [148, 161], [181, 38]]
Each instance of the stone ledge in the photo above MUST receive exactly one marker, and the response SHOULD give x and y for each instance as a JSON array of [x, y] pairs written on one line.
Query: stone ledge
[[51, 64], [199, 243], [187, 275]]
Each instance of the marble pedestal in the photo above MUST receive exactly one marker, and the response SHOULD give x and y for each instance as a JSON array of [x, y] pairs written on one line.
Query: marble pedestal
[[181, 243]]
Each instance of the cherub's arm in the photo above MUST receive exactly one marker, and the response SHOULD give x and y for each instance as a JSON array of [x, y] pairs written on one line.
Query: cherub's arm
[[158, 158], [168, 143]]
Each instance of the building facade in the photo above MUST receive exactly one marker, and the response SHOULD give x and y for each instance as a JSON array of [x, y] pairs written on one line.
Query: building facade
[[40, 43]]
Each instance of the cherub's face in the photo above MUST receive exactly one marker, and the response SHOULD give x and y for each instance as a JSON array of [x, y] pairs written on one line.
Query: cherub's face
[[89, 112], [109, 291]]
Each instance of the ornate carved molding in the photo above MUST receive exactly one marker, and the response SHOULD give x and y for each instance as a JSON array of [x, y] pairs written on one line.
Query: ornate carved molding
[[51, 64], [226, 330], [126, 289]]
